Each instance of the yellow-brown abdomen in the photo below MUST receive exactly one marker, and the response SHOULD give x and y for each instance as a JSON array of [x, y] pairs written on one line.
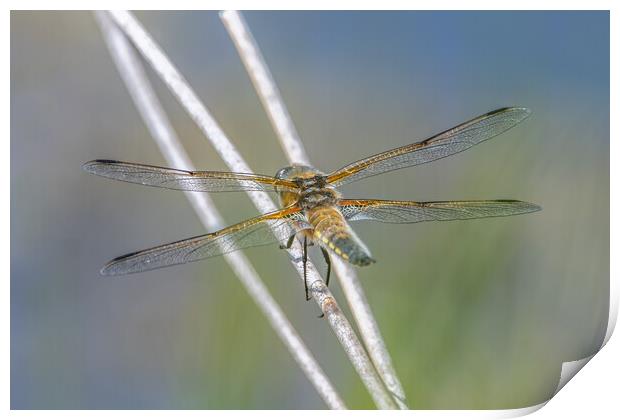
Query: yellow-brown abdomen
[[332, 232]]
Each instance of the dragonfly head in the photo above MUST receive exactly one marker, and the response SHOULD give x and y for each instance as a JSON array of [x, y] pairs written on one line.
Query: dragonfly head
[[297, 172]]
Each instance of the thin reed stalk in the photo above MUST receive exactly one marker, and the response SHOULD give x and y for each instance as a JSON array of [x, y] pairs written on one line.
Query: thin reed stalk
[[201, 116], [283, 125], [159, 126]]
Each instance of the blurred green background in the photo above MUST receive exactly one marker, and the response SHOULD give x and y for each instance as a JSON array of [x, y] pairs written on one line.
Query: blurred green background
[[476, 314]]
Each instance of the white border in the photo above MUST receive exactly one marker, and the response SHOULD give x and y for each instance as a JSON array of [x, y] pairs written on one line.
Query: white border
[[595, 390], [313, 5]]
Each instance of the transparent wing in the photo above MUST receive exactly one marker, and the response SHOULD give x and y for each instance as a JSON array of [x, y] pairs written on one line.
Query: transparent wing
[[412, 211], [266, 229], [449, 142], [176, 179]]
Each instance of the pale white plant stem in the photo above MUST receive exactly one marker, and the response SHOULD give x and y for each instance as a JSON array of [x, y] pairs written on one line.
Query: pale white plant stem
[[283, 125], [156, 120], [263, 82], [224, 147]]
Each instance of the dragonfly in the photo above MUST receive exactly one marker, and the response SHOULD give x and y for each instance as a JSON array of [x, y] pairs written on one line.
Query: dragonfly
[[312, 209]]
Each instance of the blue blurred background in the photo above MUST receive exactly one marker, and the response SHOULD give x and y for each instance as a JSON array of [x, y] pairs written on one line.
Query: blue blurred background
[[477, 314]]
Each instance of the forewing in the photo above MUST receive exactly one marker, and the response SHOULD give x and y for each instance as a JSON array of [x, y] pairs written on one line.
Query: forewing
[[176, 179], [267, 229], [449, 142], [412, 211]]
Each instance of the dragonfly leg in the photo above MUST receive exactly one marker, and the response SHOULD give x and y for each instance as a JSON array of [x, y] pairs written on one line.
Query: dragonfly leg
[[289, 243], [305, 260], [328, 261]]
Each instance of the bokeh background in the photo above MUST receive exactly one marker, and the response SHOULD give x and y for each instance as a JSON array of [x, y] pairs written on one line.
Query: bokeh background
[[476, 314]]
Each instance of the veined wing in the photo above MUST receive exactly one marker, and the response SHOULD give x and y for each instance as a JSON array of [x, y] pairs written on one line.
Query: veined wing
[[269, 228], [449, 142], [177, 179], [412, 211]]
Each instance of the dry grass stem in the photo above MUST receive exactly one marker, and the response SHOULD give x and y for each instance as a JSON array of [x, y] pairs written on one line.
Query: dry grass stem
[[293, 148], [199, 113], [155, 118]]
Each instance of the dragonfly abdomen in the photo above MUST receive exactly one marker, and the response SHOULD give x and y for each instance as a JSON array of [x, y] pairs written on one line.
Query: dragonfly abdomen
[[332, 231]]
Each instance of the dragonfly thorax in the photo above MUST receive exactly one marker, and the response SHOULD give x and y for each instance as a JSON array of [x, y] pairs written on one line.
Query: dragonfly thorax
[[313, 188]]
